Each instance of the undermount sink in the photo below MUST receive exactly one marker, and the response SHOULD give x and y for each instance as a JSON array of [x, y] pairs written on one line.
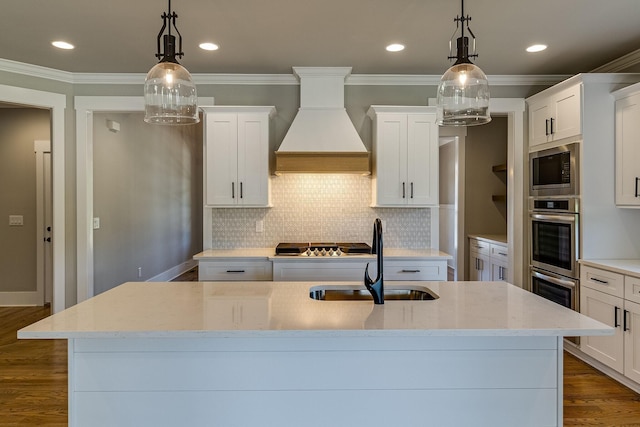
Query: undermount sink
[[360, 293]]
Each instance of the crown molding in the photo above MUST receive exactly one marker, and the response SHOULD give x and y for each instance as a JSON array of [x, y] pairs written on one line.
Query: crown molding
[[269, 79], [620, 64]]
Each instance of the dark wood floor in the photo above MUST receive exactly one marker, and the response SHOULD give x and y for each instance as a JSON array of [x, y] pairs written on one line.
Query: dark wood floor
[[33, 382]]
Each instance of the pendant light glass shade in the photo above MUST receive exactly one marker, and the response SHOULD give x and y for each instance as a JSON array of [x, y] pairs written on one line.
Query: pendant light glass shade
[[463, 96], [463, 92], [170, 95]]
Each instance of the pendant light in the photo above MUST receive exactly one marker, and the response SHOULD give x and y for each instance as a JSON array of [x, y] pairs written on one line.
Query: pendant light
[[169, 93], [463, 92]]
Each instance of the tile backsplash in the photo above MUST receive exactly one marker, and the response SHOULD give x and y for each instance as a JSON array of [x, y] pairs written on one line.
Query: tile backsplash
[[319, 208]]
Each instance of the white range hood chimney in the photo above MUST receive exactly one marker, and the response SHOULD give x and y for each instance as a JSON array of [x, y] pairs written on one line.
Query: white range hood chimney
[[322, 138]]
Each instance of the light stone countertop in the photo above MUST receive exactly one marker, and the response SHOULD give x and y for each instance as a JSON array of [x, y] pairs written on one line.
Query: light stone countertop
[[263, 254], [284, 309], [629, 267], [491, 238]]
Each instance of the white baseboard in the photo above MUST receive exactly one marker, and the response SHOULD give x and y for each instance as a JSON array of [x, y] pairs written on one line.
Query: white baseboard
[[570, 348], [174, 272], [20, 299]]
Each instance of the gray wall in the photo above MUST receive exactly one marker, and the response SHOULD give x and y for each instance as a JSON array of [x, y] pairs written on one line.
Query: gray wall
[[148, 196], [486, 146], [19, 128]]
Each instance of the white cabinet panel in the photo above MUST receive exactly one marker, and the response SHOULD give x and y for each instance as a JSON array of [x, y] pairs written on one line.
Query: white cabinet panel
[[628, 151], [405, 156], [237, 156], [555, 115], [234, 271], [631, 325]]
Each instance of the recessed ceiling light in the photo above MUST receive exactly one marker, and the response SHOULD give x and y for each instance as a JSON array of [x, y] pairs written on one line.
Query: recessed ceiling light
[[62, 45], [537, 48], [395, 47], [209, 46]]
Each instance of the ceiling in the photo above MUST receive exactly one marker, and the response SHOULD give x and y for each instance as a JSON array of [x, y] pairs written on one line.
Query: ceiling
[[269, 37]]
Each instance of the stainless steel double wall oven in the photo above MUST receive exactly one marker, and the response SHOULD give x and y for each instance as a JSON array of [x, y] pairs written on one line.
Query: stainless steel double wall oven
[[554, 224]]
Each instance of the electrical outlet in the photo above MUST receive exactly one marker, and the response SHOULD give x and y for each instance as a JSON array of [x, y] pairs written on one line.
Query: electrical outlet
[[139, 272], [96, 223], [259, 226]]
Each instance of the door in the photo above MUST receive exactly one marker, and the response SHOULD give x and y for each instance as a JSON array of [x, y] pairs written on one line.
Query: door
[[253, 160], [391, 160], [44, 220], [422, 160], [628, 151], [608, 310], [631, 325], [221, 159]]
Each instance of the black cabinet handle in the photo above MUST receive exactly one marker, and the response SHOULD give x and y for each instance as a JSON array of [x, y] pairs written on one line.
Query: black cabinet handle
[[624, 321], [546, 127], [241, 190], [637, 179], [412, 190], [604, 282], [410, 271], [233, 190], [551, 121], [403, 191], [615, 321], [235, 271]]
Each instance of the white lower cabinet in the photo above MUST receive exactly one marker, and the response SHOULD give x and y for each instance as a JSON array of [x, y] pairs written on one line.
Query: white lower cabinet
[[225, 270], [609, 297], [487, 260]]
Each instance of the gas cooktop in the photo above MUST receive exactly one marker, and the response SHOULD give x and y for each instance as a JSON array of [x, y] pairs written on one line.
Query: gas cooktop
[[322, 249]]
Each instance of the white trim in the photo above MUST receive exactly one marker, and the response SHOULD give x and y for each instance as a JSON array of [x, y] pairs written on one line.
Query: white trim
[[40, 147], [56, 103], [620, 64], [174, 272], [85, 106], [514, 109], [20, 299], [267, 79]]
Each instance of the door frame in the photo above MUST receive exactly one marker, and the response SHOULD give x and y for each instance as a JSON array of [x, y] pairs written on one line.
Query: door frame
[[56, 104], [43, 191]]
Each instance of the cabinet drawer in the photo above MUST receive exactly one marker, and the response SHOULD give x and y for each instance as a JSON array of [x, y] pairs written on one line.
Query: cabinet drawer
[[415, 270], [234, 271], [479, 246], [632, 288], [602, 280], [499, 252]]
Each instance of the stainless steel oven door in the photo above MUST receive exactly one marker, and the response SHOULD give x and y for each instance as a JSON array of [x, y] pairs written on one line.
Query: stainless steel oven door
[[554, 242], [561, 290]]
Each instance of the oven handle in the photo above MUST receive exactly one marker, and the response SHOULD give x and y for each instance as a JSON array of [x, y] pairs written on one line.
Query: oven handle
[[554, 280], [557, 218]]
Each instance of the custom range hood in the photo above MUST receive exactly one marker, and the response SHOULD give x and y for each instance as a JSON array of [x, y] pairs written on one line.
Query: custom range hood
[[322, 138]]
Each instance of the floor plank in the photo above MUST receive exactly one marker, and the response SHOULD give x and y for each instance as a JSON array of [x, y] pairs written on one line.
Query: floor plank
[[33, 382]]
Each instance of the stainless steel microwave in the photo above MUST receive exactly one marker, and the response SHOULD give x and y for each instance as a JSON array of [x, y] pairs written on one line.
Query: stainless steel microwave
[[555, 171]]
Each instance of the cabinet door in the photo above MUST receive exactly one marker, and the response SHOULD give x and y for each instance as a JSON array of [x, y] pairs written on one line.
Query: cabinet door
[[221, 163], [628, 151], [539, 115], [253, 160], [422, 159], [498, 270], [479, 267], [632, 341], [608, 310], [391, 160], [567, 119]]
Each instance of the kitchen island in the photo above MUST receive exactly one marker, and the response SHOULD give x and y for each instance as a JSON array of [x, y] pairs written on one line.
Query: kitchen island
[[265, 353]]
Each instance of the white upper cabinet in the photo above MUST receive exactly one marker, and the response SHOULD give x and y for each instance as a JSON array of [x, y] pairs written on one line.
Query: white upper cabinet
[[405, 156], [237, 156], [555, 114], [628, 148]]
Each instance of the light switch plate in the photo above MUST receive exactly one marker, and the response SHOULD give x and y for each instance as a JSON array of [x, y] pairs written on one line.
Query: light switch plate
[[16, 220], [96, 223]]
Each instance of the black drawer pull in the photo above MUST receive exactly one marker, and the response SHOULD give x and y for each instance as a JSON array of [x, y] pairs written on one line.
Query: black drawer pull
[[502, 253], [410, 271], [235, 271], [604, 282], [637, 179]]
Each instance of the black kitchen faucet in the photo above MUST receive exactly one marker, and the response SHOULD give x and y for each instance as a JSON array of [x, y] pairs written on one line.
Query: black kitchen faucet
[[376, 287]]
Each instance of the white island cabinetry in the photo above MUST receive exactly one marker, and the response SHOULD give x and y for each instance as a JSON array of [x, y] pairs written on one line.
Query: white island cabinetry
[[204, 352], [237, 156]]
